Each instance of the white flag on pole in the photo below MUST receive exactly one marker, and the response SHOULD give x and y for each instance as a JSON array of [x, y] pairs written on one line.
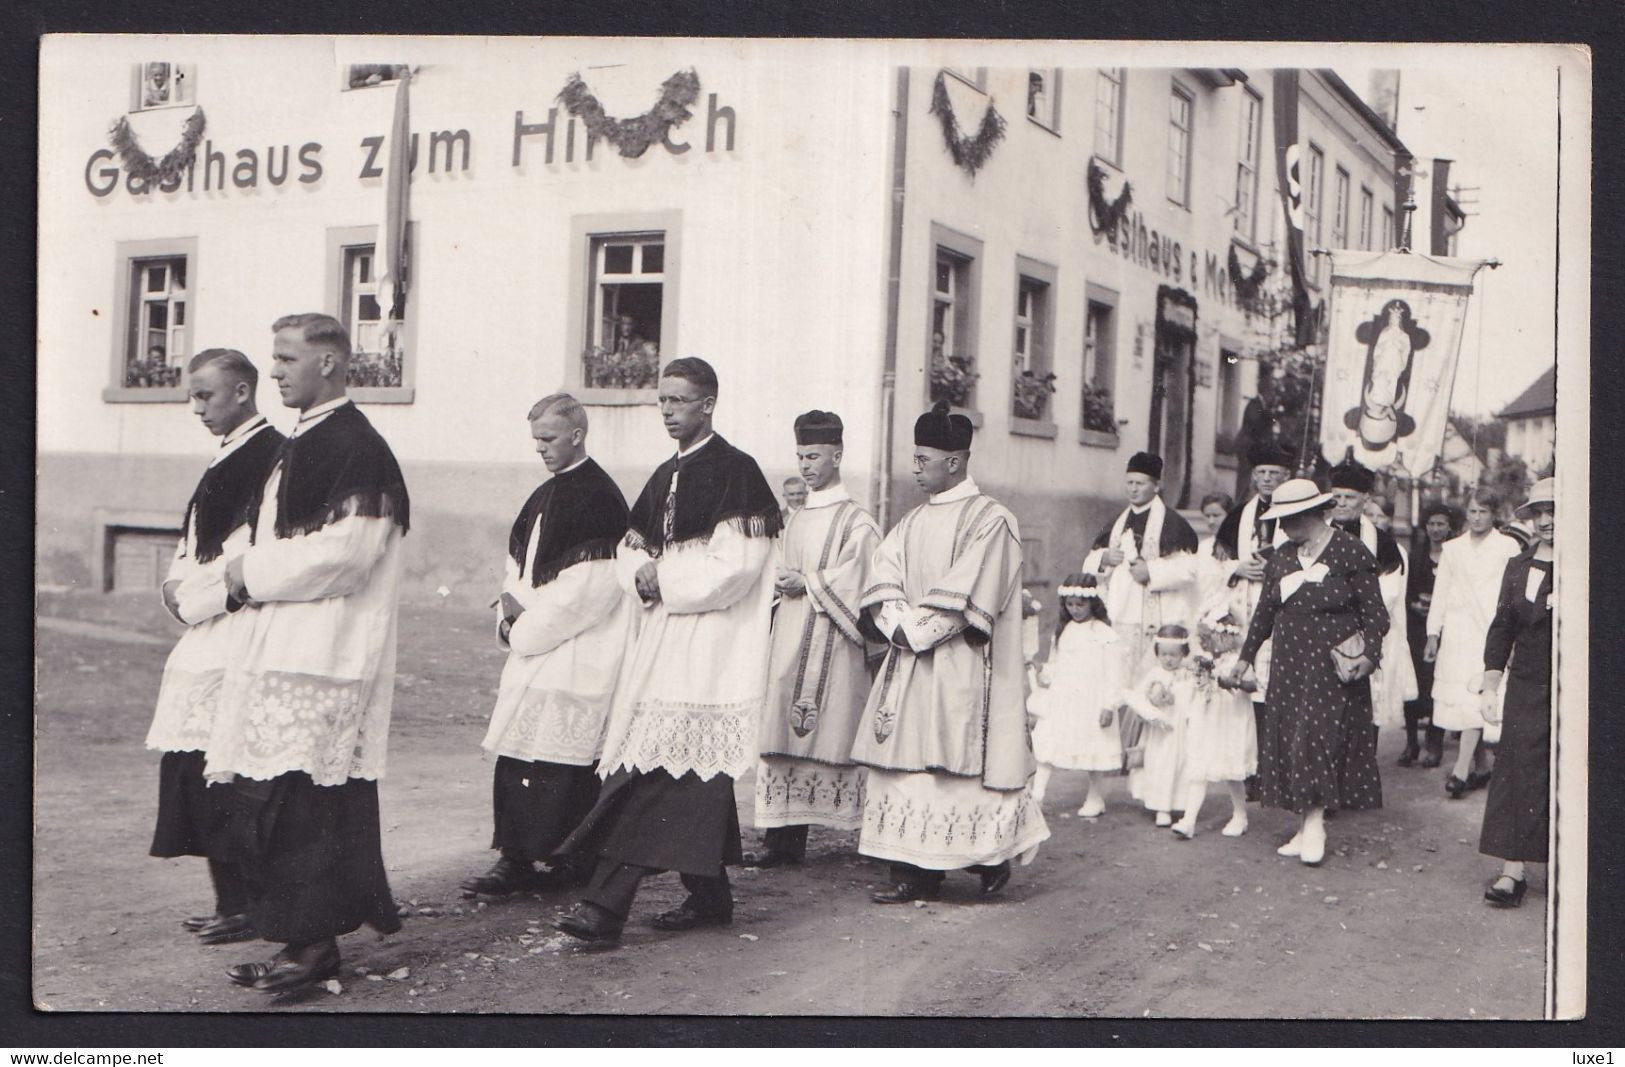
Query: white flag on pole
[[1395, 335]]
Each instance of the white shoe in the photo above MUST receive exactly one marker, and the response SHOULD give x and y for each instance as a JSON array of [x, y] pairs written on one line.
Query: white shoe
[[1093, 808], [1184, 828], [1236, 826], [1164, 820], [1313, 849], [1291, 848]]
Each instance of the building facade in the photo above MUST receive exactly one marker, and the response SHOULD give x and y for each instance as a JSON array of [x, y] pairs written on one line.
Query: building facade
[[1531, 422], [827, 229]]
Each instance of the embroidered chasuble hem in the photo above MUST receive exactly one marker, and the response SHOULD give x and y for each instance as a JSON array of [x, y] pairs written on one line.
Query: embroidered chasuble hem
[[937, 825], [795, 792], [934, 769]]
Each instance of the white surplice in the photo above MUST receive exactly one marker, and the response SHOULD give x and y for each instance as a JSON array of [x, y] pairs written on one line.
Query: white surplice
[[190, 689], [311, 676]]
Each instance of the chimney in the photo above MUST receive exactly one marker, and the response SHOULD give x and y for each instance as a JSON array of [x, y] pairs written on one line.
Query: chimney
[[1384, 96]]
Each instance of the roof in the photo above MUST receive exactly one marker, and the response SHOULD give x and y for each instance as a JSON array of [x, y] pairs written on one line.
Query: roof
[[1539, 399], [1364, 110]]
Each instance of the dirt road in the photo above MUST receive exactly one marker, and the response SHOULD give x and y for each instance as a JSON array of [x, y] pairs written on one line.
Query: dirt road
[[1115, 918]]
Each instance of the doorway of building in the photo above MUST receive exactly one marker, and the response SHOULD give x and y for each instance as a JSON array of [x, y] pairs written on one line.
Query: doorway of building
[[1173, 384]]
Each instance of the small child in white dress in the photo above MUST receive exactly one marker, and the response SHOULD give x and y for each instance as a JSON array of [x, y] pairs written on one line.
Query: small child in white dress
[[1079, 687], [1221, 742], [1163, 698]]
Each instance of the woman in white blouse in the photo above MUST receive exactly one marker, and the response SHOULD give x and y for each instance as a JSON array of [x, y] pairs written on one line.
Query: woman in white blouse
[[1469, 576]]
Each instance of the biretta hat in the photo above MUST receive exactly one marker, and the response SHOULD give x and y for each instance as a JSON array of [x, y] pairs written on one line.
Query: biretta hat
[[818, 428], [1271, 452], [939, 429], [1350, 474], [1295, 497], [1146, 463], [1543, 492]]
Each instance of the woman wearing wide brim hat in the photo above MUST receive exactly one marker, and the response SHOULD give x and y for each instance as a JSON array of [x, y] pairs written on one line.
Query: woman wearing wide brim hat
[[1322, 609], [1515, 815]]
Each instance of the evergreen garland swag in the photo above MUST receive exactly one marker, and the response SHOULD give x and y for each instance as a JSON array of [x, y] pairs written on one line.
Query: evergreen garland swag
[[142, 167], [969, 153], [632, 137], [1247, 284], [1104, 216]]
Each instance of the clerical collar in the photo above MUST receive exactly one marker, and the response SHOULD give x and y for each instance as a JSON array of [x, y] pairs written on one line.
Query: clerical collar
[[248, 426], [1141, 510], [573, 466], [825, 497], [963, 491], [683, 453], [311, 416]]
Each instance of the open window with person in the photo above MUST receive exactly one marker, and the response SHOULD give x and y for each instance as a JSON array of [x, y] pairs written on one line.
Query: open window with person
[[1044, 97], [152, 338], [1034, 380], [380, 318], [628, 303], [952, 328]]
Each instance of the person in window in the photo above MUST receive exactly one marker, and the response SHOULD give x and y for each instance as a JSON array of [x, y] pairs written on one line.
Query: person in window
[[1518, 649], [698, 559], [156, 87], [628, 338], [191, 816]]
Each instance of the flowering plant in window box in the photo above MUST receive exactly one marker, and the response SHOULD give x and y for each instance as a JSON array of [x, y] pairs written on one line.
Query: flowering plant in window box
[[630, 367], [1031, 393], [1098, 412], [953, 378]]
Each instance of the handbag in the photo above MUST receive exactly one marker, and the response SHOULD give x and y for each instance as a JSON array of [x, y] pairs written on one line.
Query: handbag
[[1347, 655]]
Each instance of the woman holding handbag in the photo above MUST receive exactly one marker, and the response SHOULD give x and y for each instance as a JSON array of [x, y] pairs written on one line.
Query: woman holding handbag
[[1515, 813], [1322, 608]]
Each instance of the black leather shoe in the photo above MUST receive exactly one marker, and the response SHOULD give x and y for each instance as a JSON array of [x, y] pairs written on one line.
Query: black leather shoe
[[1506, 898], [301, 969], [505, 876], [246, 974], [589, 922], [1432, 760], [771, 858], [1455, 787], [1478, 779], [687, 917], [226, 930], [1408, 757], [993, 878], [556, 879], [195, 923], [905, 893]]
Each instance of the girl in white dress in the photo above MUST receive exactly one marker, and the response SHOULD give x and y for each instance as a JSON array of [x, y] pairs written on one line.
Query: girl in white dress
[[1079, 688], [1163, 698], [1212, 574], [1465, 587], [1221, 743]]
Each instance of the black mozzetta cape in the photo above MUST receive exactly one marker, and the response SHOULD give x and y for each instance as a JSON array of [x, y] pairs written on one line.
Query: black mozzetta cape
[[1227, 542], [718, 484], [1177, 535], [229, 493], [582, 515], [1389, 558], [339, 467]]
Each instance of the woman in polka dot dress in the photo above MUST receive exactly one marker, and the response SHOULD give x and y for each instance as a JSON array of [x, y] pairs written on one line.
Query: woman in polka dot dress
[[1318, 747]]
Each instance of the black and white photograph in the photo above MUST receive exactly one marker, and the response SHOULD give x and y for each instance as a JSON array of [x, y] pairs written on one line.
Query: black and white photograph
[[812, 527]]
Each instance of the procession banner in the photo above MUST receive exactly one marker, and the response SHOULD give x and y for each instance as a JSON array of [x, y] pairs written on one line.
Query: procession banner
[[1288, 181], [1395, 336]]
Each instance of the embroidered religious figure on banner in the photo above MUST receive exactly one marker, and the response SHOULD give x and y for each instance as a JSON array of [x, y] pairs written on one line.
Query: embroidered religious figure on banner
[[1392, 338]]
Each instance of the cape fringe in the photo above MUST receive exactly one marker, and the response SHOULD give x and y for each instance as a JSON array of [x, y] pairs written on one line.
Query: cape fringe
[[585, 552], [386, 503], [746, 525]]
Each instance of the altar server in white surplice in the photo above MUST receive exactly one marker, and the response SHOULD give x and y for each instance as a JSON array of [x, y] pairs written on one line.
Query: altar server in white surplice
[[698, 559], [818, 669], [944, 732], [303, 721], [191, 817], [566, 624]]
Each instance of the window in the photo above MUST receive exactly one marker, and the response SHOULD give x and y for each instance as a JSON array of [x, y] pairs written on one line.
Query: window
[[1340, 210], [152, 338], [1181, 106], [1044, 98], [382, 337], [1387, 228], [162, 84], [1252, 109], [1097, 413], [1227, 413], [627, 303], [1367, 203], [1109, 115], [1033, 381], [951, 356], [1312, 198], [366, 75]]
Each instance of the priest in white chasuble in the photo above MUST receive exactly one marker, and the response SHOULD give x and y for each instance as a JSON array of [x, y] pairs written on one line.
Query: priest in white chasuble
[[191, 817], [698, 561], [1146, 557], [818, 669], [944, 731], [305, 704], [566, 624]]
